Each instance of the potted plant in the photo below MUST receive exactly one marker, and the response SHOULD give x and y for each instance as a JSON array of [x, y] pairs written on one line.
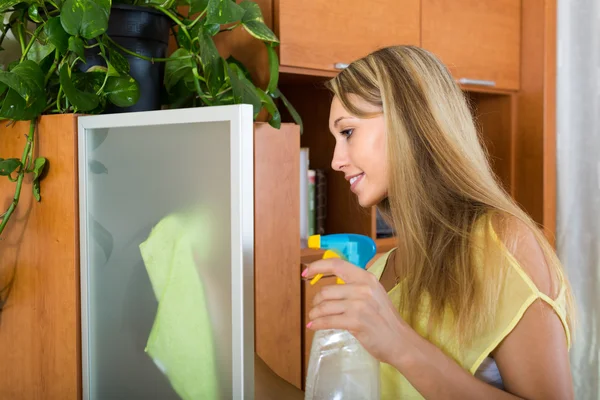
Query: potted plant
[[55, 73]]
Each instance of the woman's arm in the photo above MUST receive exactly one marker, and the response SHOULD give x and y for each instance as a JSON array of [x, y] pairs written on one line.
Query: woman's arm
[[533, 359]]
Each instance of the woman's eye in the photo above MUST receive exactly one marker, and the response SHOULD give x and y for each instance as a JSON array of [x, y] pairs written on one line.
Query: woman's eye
[[347, 132]]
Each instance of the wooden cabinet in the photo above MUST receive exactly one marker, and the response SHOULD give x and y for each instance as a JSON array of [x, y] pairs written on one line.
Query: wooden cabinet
[[479, 40], [325, 35]]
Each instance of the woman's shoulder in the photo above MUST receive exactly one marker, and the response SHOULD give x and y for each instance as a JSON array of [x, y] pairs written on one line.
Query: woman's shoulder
[[526, 249]]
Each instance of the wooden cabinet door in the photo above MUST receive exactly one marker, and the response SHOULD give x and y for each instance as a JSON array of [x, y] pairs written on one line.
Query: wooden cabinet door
[[326, 34], [479, 40]]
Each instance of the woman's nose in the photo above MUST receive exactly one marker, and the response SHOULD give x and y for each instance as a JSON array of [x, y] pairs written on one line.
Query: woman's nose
[[340, 158]]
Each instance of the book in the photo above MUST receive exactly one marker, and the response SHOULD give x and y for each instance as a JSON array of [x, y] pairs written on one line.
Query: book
[[304, 167], [311, 202]]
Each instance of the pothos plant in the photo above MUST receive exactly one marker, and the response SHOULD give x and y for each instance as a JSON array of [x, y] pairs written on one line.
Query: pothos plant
[[56, 35]]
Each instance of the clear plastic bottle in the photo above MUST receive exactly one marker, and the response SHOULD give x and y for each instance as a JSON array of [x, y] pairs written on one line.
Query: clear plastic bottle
[[340, 368]]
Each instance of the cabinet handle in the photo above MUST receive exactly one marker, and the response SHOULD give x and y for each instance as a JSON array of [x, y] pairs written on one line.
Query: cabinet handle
[[340, 65], [478, 82]]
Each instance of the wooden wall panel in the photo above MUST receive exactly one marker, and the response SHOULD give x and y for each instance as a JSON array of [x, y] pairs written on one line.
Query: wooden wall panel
[[277, 249], [535, 178], [493, 117], [39, 324]]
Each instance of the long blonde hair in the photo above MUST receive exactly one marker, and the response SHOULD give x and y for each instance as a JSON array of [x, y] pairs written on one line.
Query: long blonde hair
[[440, 184]]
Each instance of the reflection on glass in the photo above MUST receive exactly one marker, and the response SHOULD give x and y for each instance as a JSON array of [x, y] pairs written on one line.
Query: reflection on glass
[[159, 262]]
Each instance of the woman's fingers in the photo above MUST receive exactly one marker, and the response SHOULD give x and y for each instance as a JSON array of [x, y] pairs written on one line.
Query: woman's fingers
[[332, 307], [355, 308], [339, 292], [349, 273], [339, 321]]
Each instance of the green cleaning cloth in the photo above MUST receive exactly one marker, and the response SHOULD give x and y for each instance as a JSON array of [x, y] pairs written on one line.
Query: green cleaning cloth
[[181, 340]]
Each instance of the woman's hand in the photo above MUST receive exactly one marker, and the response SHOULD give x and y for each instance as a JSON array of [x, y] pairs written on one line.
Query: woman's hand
[[360, 306]]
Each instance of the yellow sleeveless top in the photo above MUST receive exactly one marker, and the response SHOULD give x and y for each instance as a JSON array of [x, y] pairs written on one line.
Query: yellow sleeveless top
[[517, 294]]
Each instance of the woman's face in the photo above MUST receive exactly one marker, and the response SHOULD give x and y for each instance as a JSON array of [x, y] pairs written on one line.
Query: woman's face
[[360, 150]]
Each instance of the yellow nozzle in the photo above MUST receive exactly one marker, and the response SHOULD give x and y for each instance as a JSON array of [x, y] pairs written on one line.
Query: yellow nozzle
[[326, 255], [314, 241]]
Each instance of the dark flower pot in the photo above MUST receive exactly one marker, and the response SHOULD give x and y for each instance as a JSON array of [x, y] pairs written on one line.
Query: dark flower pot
[[145, 32]]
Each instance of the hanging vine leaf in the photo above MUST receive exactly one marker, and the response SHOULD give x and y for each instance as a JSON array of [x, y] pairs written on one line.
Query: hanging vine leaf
[[38, 51], [267, 101], [7, 4], [197, 6], [26, 97], [176, 69], [38, 169], [295, 116], [83, 101], [34, 13], [273, 69], [76, 45], [9, 166], [56, 34], [85, 18], [223, 12], [254, 22], [244, 90], [210, 59], [122, 91]]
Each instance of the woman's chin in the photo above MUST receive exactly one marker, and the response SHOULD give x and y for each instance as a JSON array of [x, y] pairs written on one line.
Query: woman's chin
[[366, 202]]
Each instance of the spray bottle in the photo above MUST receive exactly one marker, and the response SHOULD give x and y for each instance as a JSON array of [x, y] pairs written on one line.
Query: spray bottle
[[339, 367]]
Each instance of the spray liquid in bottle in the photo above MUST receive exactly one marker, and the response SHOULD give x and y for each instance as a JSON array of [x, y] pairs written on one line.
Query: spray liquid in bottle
[[339, 367]]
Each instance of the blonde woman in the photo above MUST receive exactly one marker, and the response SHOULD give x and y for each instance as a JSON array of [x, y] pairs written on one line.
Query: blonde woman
[[472, 303]]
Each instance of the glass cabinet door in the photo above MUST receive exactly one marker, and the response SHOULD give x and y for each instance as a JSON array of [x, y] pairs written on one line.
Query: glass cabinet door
[[166, 243]]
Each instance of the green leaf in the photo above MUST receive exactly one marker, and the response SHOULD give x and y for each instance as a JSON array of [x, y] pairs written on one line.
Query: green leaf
[[223, 12], [76, 45], [241, 66], [38, 51], [89, 81], [111, 71], [34, 13], [273, 69], [244, 91], [197, 6], [13, 106], [180, 95], [211, 63], [123, 91], [267, 101], [26, 98], [119, 62], [3, 88], [7, 4], [56, 34], [38, 167], [36, 191], [211, 29], [85, 18], [82, 101], [295, 116], [8, 166], [255, 24], [183, 40], [177, 69]]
